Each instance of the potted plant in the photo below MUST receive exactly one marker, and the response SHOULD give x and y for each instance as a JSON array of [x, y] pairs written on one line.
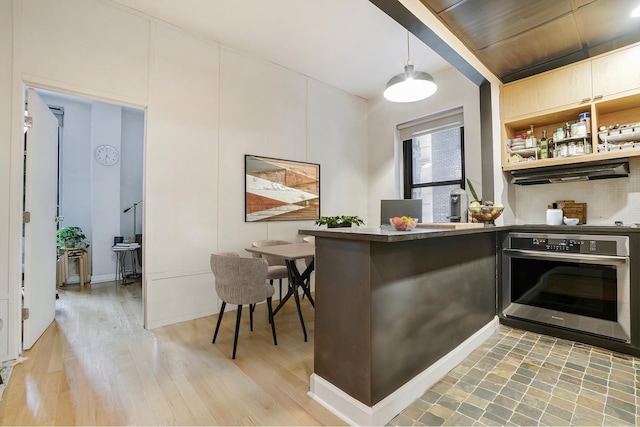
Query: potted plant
[[339, 221], [72, 237]]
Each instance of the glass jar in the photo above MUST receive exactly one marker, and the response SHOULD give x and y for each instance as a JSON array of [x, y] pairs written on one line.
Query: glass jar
[[564, 150], [571, 149], [579, 148]]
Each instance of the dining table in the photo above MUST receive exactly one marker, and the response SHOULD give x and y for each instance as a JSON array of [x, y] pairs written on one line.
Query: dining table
[[290, 253]]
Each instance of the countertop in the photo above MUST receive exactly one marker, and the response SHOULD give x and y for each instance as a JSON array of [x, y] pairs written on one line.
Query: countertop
[[388, 234]]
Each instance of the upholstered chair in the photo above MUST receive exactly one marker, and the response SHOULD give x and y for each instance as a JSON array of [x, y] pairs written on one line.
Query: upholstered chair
[[241, 281], [277, 266]]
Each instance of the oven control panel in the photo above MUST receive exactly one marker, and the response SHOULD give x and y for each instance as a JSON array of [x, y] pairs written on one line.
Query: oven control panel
[[570, 245]]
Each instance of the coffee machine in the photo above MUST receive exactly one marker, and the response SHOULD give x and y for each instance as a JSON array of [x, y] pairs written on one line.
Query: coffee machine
[[458, 201]]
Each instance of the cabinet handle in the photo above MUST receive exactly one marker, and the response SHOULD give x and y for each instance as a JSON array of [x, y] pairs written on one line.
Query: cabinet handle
[[585, 100], [598, 97]]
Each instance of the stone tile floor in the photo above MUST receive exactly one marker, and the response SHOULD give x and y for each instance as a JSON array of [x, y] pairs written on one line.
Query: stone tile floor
[[524, 379]]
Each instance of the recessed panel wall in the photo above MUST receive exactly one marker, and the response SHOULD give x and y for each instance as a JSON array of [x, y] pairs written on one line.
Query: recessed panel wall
[[86, 44]]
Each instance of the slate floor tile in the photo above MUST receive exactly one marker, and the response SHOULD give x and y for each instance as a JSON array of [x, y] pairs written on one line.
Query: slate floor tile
[[521, 420], [520, 378], [430, 419], [529, 411], [448, 402], [439, 411]]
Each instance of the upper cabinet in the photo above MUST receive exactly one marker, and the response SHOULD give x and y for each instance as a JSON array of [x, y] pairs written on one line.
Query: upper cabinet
[[565, 87], [605, 88], [616, 73]]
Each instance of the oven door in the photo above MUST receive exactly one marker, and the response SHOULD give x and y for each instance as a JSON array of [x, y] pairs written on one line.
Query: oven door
[[581, 292]]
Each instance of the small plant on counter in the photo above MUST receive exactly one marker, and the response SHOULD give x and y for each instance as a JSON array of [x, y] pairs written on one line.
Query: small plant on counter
[[339, 221]]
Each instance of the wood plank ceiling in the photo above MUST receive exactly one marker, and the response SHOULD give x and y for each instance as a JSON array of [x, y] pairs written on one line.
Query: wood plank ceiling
[[516, 38]]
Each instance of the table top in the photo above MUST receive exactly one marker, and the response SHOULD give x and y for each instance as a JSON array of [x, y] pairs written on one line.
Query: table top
[[125, 247], [290, 251]]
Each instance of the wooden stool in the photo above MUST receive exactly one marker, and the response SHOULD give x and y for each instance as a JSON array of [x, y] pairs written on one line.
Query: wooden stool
[[80, 259]]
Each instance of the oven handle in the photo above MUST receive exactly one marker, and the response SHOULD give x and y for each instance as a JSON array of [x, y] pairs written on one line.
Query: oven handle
[[586, 258]]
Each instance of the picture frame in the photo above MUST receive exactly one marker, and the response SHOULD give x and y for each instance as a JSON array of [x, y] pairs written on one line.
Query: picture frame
[[281, 190]]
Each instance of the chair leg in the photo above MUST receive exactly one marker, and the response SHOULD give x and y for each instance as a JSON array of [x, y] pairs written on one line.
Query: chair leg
[[235, 338], [297, 298], [252, 307], [273, 326], [224, 304], [280, 289]]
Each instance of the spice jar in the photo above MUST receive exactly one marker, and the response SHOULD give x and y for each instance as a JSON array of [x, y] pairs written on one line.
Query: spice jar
[[571, 149], [564, 150]]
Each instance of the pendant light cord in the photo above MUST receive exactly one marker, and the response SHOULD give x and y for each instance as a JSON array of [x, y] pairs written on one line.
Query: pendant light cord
[[408, 56]]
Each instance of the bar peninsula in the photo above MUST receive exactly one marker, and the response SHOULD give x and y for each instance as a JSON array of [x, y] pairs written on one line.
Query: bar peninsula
[[389, 305]]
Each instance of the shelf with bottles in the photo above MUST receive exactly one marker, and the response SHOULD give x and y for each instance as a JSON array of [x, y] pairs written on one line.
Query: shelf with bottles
[[550, 124]]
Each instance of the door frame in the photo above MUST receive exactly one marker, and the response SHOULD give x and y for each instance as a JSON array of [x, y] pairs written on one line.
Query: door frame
[[16, 189]]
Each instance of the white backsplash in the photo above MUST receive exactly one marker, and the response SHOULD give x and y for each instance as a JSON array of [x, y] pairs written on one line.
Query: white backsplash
[[608, 200]]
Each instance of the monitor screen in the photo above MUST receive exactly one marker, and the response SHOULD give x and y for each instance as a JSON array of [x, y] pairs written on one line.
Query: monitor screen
[[408, 207]]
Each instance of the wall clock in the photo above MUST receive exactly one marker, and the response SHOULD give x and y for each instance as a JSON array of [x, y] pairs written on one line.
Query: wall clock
[[106, 155]]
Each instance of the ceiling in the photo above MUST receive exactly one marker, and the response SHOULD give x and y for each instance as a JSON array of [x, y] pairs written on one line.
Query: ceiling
[[348, 44], [518, 38], [353, 45]]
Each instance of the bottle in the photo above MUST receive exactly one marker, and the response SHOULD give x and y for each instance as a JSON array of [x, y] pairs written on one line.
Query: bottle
[[544, 146], [529, 140], [567, 130]]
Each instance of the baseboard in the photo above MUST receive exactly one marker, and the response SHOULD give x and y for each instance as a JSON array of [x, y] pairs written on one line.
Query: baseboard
[[103, 278], [355, 412]]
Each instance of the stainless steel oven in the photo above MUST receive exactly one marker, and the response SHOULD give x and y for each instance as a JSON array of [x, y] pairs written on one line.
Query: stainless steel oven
[[576, 282]]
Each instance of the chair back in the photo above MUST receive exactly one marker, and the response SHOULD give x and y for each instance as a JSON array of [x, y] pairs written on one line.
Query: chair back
[[240, 280], [270, 259]]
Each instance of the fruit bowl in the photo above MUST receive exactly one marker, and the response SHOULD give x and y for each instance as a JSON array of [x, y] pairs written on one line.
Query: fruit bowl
[[485, 213], [403, 223]]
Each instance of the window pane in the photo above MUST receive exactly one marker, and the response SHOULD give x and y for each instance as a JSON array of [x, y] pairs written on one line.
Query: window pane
[[437, 157], [435, 202]]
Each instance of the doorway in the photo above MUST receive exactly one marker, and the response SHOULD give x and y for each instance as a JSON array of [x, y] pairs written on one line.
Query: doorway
[[93, 194]]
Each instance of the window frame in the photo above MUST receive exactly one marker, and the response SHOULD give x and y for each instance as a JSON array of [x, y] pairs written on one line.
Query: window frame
[[407, 159]]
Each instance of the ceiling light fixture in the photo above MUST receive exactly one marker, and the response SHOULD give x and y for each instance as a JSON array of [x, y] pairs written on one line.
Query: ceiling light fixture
[[635, 13], [411, 85]]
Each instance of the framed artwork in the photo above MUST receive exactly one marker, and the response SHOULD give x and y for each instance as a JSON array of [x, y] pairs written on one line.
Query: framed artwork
[[280, 190]]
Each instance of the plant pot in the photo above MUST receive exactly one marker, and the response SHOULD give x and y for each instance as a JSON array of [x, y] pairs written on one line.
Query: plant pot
[[341, 225]]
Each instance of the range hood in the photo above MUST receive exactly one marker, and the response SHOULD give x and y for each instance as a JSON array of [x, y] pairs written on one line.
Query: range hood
[[571, 173]]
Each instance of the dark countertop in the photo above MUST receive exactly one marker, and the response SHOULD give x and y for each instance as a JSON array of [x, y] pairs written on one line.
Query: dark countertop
[[387, 234]]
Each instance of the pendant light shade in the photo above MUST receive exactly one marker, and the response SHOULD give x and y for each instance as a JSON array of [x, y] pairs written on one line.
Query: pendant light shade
[[411, 85]]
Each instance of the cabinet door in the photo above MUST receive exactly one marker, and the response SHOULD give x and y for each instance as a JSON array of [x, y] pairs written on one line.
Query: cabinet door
[[616, 73], [561, 88]]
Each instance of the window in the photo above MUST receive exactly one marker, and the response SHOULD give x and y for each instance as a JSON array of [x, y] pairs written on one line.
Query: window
[[433, 153]]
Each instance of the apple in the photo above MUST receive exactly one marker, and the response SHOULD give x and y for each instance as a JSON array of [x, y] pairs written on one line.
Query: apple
[[396, 221]]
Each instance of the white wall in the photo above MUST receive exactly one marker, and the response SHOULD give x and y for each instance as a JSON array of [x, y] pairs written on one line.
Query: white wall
[[385, 153], [207, 106], [106, 129]]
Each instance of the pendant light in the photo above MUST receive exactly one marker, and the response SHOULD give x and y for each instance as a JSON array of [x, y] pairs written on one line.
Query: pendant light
[[411, 85]]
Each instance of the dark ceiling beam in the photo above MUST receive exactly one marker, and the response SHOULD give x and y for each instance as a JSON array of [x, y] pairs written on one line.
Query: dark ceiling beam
[[408, 20]]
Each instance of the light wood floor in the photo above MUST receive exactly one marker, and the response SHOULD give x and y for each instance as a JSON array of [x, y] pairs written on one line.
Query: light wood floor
[[96, 365]]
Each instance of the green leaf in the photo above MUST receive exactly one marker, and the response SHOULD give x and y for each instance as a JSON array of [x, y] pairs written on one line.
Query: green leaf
[[473, 191]]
